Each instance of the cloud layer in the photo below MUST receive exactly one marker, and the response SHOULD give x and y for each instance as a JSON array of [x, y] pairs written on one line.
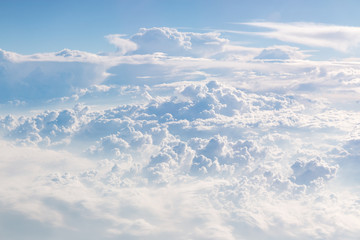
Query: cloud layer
[[212, 159], [179, 135]]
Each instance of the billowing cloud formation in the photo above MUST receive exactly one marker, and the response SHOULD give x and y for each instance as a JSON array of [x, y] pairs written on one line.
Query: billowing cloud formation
[[341, 38], [193, 138], [173, 42], [204, 158], [174, 56]]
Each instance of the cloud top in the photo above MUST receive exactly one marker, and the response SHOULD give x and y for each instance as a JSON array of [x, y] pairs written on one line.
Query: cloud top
[[173, 42], [204, 157], [179, 135]]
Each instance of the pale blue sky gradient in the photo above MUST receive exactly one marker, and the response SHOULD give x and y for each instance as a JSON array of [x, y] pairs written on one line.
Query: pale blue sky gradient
[[44, 26]]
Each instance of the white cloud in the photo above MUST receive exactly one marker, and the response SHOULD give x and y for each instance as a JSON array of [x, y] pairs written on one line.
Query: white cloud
[[123, 45], [313, 170], [281, 53], [71, 74], [204, 158], [340, 38], [45, 76], [197, 142], [167, 40], [175, 43]]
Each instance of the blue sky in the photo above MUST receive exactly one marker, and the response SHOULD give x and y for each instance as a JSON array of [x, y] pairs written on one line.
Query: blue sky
[[43, 26]]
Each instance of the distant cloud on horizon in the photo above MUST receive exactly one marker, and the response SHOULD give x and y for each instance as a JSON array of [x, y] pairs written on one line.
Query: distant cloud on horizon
[[339, 38]]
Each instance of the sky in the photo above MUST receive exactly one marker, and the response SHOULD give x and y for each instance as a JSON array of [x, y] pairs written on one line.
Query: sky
[[179, 120], [44, 26]]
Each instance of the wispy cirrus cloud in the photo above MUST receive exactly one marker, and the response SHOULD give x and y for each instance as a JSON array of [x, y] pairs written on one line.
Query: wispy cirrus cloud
[[340, 38]]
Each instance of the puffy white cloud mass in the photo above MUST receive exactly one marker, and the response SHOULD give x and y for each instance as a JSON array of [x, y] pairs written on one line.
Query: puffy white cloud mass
[[179, 135], [173, 42]]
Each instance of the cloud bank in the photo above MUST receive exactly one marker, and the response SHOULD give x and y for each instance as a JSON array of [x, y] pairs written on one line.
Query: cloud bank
[[179, 135]]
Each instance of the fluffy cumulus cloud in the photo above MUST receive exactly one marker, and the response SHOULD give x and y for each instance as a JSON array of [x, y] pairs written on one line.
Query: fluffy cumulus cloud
[[211, 159], [179, 135], [157, 55], [173, 42]]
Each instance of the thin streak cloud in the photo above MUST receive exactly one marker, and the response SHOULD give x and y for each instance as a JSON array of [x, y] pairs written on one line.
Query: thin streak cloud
[[339, 38]]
